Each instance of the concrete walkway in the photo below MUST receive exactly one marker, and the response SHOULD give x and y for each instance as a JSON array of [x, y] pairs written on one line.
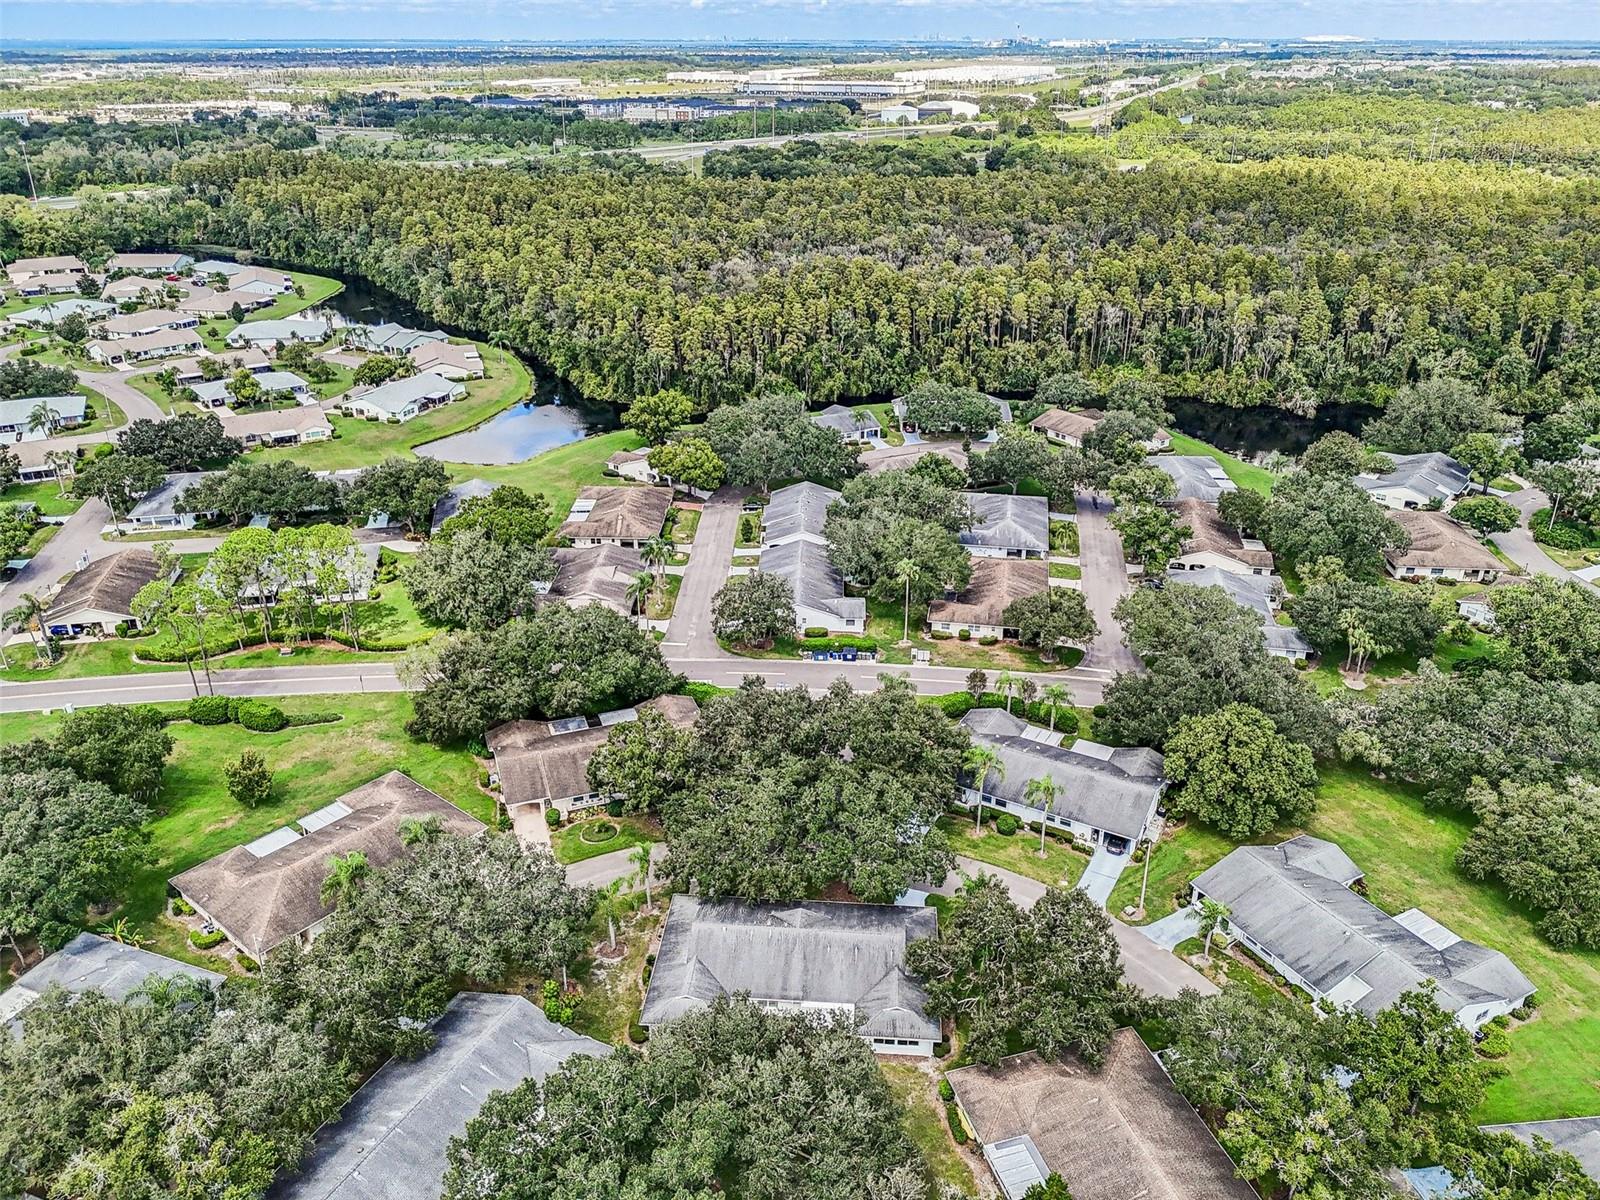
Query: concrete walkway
[[1174, 928], [1105, 581], [1518, 544], [710, 560]]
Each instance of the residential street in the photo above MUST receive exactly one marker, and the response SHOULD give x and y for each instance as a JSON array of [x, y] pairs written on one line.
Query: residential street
[[61, 554], [1105, 581], [710, 559], [1519, 546]]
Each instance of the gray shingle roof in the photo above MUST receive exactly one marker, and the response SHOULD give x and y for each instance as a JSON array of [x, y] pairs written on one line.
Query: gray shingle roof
[[262, 899], [162, 500], [1197, 477], [1103, 789], [816, 582], [1259, 594], [450, 503], [1007, 522], [1433, 474], [106, 585], [812, 952], [1293, 901], [796, 510], [1578, 1136], [1120, 1133], [285, 330], [90, 963], [846, 421], [398, 394], [389, 1143], [596, 575]]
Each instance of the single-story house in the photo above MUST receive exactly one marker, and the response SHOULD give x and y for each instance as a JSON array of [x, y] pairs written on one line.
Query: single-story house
[[1478, 611], [1116, 1133], [92, 963], [163, 343], [1440, 549], [1197, 477], [130, 325], [818, 587], [267, 892], [249, 359], [449, 359], [158, 508], [1292, 905], [796, 513], [16, 416], [631, 464], [390, 1140], [100, 597], [218, 393], [1577, 1136], [1007, 526], [1105, 795], [33, 465], [277, 427], [133, 287], [391, 338], [546, 763], [1212, 542], [450, 503], [895, 458], [150, 264], [400, 400], [286, 329], [1262, 595], [807, 956], [49, 314], [1069, 427], [259, 281], [996, 584], [45, 276], [203, 302], [849, 424], [618, 516], [1417, 480], [594, 575], [208, 267]]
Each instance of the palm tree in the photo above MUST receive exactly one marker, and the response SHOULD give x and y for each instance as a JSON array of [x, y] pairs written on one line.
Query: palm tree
[[1056, 695], [642, 866], [1005, 683], [345, 875], [980, 761], [639, 590], [27, 615], [1213, 920], [655, 553], [906, 570], [42, 416], [611, 904], [61, 462], [425, 832], [1041, 794]]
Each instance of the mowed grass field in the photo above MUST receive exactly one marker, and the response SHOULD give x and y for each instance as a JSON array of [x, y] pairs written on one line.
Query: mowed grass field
[[1408, 853], [312, 766]]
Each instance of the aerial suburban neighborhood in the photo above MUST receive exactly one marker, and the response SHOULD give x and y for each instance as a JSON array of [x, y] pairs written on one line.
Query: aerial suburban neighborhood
[[1005, 618]]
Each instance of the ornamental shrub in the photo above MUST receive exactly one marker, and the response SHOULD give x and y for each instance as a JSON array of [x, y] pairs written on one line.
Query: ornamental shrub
[[204, 941], [1495, 1044], [1007, 824], [987, 639], [209, 710], [261, 718], [964, 634], [957, 1130], [816, 631], [946, 1092]]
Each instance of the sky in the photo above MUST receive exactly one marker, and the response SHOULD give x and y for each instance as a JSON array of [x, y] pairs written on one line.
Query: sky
[[540, 20]]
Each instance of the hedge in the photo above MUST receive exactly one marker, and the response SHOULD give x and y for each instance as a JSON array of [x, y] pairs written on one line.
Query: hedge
[[843, 642], [205, 941], [261, 718], [210, 710], [957, 1130]]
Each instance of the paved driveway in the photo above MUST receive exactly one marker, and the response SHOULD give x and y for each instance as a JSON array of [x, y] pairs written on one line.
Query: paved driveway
[[604, 869], [1105, 581], [1101, 875], [1177, 927], [710, 560], [1518, 543]]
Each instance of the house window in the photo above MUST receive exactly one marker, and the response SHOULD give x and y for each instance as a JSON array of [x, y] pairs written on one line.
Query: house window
[[1436, 571]]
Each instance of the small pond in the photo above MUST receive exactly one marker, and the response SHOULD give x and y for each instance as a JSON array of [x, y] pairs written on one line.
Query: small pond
[[524, 430]]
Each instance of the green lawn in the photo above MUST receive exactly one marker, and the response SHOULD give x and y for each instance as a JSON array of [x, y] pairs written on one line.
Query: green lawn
[[613, 993], [571, 846], [360, 443], [922, 1114], [313, 765], [103, 414], [1408, 853], [1019, 852], [1256, 479], [46, 495], [886, 421], [665, 598], [682, 524], [1065, 571], [559, 473]]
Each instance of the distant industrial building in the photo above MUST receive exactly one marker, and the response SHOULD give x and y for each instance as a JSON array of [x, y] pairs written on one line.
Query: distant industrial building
[[833, 89], [980, 73]]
